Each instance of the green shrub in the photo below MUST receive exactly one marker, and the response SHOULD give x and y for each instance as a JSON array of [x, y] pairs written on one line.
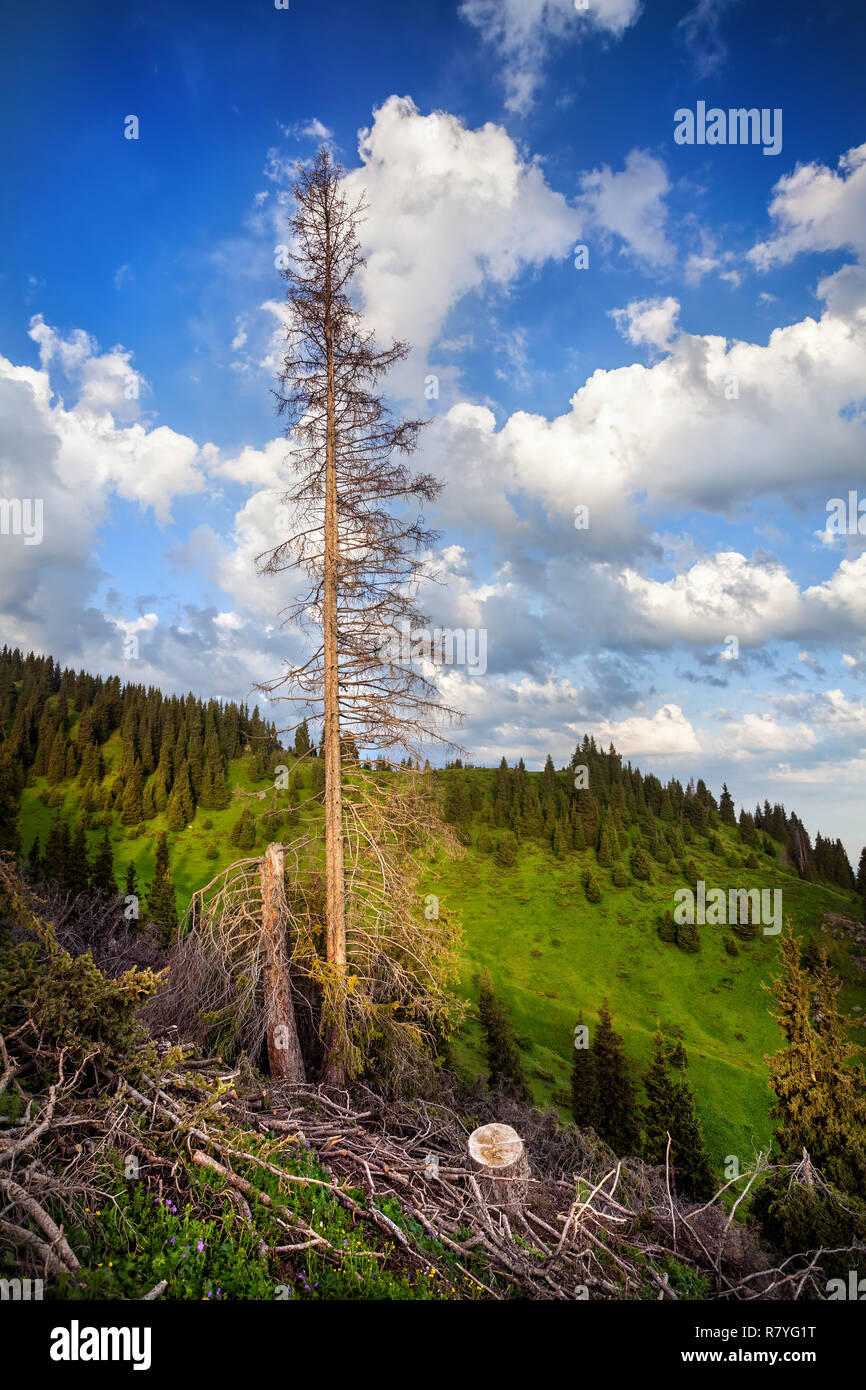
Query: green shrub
[[70, 1003], [592, 887]]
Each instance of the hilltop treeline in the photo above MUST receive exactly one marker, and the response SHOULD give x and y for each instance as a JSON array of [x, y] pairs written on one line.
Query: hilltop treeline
[[170, 756], [599, 802]]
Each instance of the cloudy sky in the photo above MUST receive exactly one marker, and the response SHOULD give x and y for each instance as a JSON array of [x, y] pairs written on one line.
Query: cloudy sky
[[695, 377]]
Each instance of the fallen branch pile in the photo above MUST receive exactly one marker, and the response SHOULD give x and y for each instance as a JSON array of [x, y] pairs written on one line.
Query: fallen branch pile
[[591, 1226]]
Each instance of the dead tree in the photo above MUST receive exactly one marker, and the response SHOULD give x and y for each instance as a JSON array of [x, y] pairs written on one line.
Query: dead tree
[[284, 1050], [351, 536]]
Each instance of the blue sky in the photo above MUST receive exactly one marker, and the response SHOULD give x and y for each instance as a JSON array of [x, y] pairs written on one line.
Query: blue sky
[[700, 386]]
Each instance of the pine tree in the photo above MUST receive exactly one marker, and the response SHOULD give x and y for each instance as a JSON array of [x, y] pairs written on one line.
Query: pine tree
[[841, 1076], [506, 854], [819, 1096], [608, 844], [641, 864], [102, 876], [692, 1168], [617, 1112], [10, 833], [458, 810], [34, 860], [56, 770], [77, 864], [504, 1066], [57, 851], [130, 884], [131, 805], [726, 806], [584, 1086], [161, 903], [687, 936], [591, 887], [180, 805], [302, 739], [244, 833], [658, 1112]]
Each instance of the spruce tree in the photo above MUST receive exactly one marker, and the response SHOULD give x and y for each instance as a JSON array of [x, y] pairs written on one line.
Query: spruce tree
[[56, 770], [10, 834], [244, 833], [161, 903], [57, 851], [77, 863], [102, 876], [617, 1111], [302, 739], [726, 806], [504, 1066], [641, 864], [658, 1111], [131, 804], [584, 1086], [34, 860], [692, 1168], [130, 884]]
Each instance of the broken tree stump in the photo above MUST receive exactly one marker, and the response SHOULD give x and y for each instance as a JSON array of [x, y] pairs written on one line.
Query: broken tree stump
[[284, 1050], [501, 1167]]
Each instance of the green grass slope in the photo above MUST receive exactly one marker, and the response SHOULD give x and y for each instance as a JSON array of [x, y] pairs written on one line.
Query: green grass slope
[[553, 955]]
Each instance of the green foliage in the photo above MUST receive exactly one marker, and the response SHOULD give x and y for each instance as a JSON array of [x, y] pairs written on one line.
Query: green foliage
[[641, 864], [504, 1067], [688, 938], [592, 887], [616, 1111], [506, 854], [798, 1217], [817, 1077], [668, 927], [584, 1086], [161, 902], [69, 1002]]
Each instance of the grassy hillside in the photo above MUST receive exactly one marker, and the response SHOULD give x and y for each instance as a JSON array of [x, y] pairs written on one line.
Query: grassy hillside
[[552, 954]]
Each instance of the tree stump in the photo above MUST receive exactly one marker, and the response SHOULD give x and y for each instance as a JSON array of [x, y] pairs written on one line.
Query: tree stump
[[501, 1167], [284, 1050]]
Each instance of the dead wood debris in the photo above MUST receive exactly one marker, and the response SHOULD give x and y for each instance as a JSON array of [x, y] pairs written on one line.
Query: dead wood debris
[[607, 1231]]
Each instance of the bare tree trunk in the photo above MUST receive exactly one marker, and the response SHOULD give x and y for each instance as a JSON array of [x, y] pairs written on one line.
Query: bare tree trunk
[[284, 1049], [335, 884]]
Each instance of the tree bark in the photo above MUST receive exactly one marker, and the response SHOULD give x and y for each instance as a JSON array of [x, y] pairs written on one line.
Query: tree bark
[[499, 1161], [284, 1050], [335, 886]]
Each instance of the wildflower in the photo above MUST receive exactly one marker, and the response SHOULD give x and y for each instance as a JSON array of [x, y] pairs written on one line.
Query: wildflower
[[200, 1246]]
